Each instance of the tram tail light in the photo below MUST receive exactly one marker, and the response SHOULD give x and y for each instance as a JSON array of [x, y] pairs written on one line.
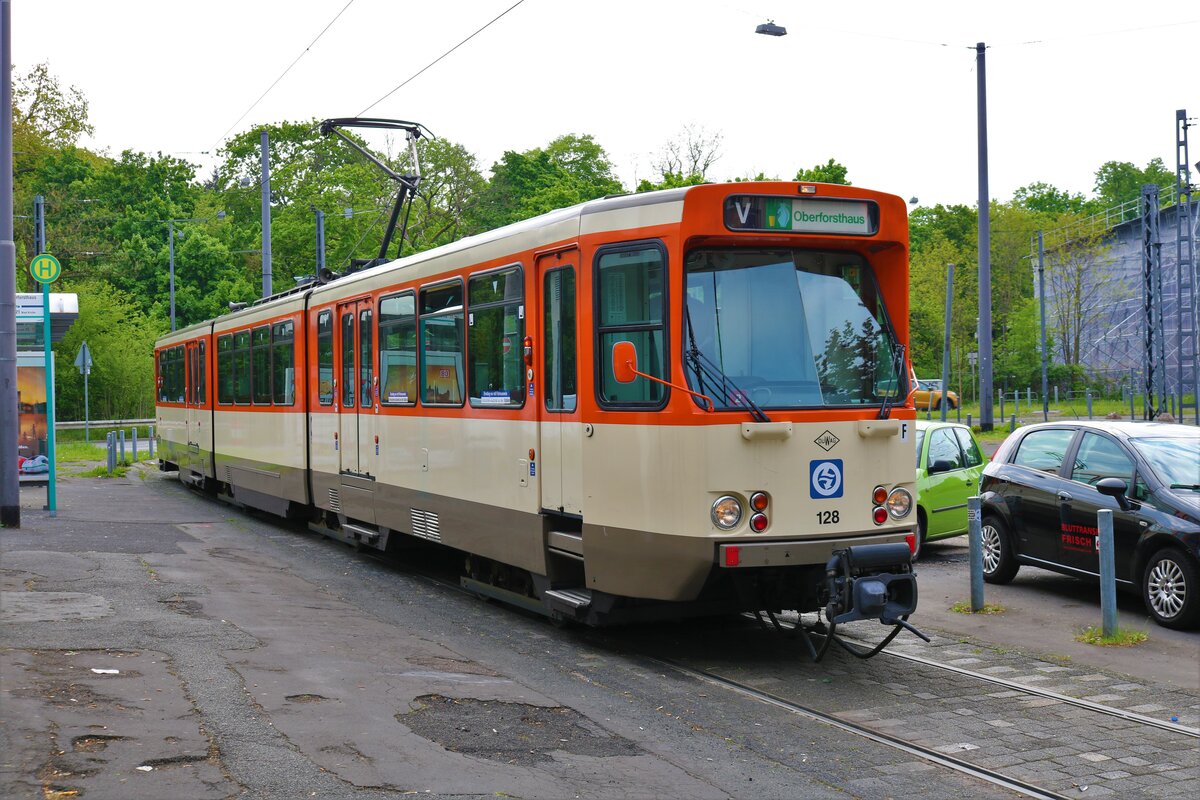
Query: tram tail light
[[758, 523], [880, 515], [733, 556], [759, 501], [879, 495], [911, 540]]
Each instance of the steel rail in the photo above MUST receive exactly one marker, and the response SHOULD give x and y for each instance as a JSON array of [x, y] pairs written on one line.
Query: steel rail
[[1131, 716], [958, 765], [1100, 708]]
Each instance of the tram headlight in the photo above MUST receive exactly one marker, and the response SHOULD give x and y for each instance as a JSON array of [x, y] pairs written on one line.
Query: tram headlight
[[899, 503], [726, 512]]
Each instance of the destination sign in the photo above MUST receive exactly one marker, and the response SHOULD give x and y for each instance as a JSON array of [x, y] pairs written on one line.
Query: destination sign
[[800, 215]]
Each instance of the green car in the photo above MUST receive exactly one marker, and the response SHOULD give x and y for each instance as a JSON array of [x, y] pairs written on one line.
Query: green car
[[949, 466]]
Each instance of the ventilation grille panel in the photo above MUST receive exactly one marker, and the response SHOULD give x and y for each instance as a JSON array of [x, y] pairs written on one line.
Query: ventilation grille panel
[[335, 501], [425, 525]]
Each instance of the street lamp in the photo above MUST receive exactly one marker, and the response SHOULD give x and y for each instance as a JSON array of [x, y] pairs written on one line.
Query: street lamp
[[171, 252]]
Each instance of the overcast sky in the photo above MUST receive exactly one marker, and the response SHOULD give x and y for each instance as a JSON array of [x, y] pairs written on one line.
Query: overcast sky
[[886, 88]]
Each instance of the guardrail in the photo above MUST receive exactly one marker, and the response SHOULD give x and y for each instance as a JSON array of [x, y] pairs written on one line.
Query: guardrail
[[101, 423]]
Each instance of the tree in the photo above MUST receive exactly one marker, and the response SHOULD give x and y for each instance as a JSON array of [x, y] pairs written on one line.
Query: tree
[[829, 172], [121, 338], [571, 169], [1046, 199], [45, 116], [684, 161], [1078, 286], [1120, 181]]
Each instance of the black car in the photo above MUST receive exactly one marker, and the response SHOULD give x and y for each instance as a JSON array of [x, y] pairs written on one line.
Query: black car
[[1042, 489]]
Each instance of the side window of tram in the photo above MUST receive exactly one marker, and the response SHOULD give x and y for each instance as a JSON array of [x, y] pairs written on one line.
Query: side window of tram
[[261, 364], [442, 345], [241, 367], [398, 350], [495, 351], [631, 301], [283, 364], [348, 359], [558, 373], [366, 359], [225, 369], [201, 396], [325, 358]]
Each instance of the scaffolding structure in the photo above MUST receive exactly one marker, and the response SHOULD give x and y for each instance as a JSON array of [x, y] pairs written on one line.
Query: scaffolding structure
[[1142, 320]]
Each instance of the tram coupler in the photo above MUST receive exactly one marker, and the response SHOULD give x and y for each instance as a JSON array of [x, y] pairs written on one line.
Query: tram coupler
[[872, 581]]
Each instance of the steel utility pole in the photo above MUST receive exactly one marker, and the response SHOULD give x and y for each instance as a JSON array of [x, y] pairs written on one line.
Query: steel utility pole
[[944, 403], [985, 257], [10, 481], [171, 257], [1042, 300], [266, 216]]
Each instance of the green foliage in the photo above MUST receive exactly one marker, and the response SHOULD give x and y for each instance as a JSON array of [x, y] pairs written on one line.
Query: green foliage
[[571, 169], [829, 172], [1120, 181], [120, 336], [1046, 199]]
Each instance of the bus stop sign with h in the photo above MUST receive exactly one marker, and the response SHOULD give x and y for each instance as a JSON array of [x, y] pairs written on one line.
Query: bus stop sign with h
[[45, 269]]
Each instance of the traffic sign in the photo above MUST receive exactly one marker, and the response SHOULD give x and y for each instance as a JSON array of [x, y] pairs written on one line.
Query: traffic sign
[[45, 268], [84, 360]]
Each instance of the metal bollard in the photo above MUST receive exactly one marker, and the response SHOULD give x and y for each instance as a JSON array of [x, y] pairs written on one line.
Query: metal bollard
[[975, 542], [1017, 402], [1108, 572], [111, 454], [1029, 397], [1088, 397], [135, 444], [1012, 423], [1056, 394], [1001, 405], [968, 420], [122, 439], [150, 436]]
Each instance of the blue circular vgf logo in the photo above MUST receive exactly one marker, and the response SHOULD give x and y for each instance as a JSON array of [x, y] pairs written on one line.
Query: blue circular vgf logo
[[825, 478]]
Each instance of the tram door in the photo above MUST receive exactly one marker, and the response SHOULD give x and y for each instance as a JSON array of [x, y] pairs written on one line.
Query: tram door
[[357, 401], [195, 396], [561, 433]]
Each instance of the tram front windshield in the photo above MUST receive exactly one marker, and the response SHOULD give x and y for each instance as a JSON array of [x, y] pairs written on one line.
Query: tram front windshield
[[787, 328]]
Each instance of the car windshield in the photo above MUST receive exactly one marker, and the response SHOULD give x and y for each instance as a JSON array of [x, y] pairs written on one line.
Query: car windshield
[[788, 328], [1172, 459]]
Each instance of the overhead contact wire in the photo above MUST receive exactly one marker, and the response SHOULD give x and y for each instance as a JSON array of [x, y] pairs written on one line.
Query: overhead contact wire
[[439, 58]]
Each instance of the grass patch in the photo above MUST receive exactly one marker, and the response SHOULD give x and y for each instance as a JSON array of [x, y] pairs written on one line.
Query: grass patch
[[67, 452], [1123, 637], [102, 472], [964, 607]]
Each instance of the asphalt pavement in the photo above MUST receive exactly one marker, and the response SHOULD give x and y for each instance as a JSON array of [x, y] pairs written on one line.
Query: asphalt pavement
[[155, 643]]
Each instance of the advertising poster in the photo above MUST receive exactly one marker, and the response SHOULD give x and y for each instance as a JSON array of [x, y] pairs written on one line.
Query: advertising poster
[[31, 406]]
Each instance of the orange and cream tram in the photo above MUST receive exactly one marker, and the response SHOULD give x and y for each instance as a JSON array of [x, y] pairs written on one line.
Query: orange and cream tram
[[675, 402]]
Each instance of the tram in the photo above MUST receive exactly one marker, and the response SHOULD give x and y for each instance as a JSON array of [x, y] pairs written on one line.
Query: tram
[[678, 402]]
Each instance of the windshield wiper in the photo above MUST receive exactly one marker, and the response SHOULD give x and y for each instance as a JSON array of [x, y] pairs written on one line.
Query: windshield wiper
[[705, 367], [1195, 487], [897, 362]]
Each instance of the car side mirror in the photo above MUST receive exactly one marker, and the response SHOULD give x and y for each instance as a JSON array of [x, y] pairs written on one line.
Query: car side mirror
[[941, 465], [1114, 487]]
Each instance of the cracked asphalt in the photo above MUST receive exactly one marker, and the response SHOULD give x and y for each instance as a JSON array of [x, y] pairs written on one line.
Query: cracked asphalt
[[159, 644]]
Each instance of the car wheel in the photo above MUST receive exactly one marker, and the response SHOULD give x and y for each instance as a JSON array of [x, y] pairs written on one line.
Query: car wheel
[[1170, 588], [919, 539], [999, 562]]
